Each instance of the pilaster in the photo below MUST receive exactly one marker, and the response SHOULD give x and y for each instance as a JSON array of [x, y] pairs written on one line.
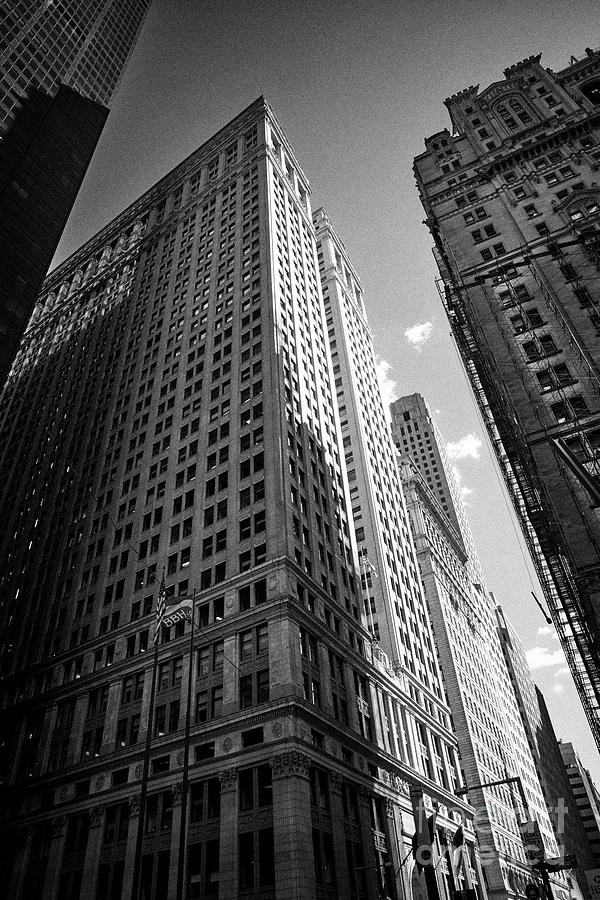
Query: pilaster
[[92, 852], [292, 827], [228, 858], [57, 846], [339, 835]]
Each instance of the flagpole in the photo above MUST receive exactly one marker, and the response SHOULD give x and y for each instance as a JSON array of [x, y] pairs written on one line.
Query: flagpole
[[137, 861], [186, 764]]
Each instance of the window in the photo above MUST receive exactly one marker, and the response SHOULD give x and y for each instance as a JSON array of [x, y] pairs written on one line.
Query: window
[[205, 800], [567, 410], [256, 859], [116, 823], [254, 688], [159, 812], [255, 789]]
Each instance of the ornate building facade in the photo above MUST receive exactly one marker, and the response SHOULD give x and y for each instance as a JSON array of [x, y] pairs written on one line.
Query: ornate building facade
[[513, 203]]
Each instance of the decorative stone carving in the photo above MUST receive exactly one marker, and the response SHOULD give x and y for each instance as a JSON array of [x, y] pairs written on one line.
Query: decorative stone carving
[[335, 782], [277, 729], [228, 779], [290, 763], [180, 758], [134, 805], [96, 814], [100, 782], [139, 770], [177, 793], [259, 820], [364, 795], [58, 825], [390, 807], [227, 744]]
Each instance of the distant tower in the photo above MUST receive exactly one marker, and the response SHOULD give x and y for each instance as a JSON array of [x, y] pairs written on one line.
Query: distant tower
[[60, 63], [587, 797], [492, 739], [546, 751], [513, 204]]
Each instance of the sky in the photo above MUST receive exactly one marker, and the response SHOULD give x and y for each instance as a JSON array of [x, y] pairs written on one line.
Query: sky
[[357, 86]]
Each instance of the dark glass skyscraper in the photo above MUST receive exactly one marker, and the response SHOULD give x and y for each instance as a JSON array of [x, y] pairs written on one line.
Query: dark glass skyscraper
[[60, 63]]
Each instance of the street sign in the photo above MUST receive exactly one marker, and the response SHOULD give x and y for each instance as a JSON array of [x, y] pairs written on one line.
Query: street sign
[[593, 880]]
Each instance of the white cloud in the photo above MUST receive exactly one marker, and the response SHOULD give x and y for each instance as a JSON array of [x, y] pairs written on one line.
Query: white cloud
[[387, 385], [558, 688], [465, 447], [419, 334], [543, 658], [562, 671], [546, 630]]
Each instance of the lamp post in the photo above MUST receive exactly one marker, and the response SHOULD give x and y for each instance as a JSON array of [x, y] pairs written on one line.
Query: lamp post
[[541, 866]]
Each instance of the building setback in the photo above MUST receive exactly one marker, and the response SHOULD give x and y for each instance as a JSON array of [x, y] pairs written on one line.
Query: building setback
[[492, 739], [60, 63], [513, 205], [173, 411]]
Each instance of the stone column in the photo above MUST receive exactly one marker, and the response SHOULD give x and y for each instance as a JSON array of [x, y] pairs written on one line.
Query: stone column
[[228, 857], [230, 676], [92, 852], [292, 827], [375, 715], [134, 823], [47, 729], [393, 828], [351, 698], [325, 679], [110, 721], [285, 664], [15, 885], [77, 728], [339, 836], [57, 846], [366, 833], [175, 839]]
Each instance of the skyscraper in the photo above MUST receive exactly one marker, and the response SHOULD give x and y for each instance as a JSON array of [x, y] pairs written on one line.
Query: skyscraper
[[493, 743], [60, 63], [586, 795], [565, 816], [513, 204], [173, 414], [394, 605]]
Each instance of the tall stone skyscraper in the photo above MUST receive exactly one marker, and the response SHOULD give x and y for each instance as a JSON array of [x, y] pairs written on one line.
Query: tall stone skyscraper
[[513, 204], [565, 816], [587, 797], [493, 742], [60, 63], [173, 412]]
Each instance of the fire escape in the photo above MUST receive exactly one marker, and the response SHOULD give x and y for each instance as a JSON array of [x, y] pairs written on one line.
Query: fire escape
[[569, 605]]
